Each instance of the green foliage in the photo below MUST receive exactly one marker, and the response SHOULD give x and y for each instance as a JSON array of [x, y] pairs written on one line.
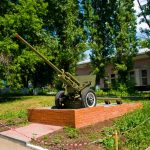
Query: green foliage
[[57, 139], [145, 43], [96, 17], [101, 93], [62, 31], [124, 39], [45, 138], [71, 132], [52, 27], [136, 129], [24, 17], [131, 87], [111, 32], [120, 90], [109, 144]]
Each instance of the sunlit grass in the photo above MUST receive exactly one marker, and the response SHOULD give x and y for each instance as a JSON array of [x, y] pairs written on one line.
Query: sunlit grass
[[15, 112], [134, 129]]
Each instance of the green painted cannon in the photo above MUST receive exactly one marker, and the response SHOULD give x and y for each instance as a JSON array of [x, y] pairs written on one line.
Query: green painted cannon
[[75, 94]]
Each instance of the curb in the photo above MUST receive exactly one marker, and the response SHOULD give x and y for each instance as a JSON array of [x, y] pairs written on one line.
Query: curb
[[13, 139], [35, 147], [26, 144]]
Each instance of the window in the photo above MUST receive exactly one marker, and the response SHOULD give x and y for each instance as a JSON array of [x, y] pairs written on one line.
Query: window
[[144, 77]]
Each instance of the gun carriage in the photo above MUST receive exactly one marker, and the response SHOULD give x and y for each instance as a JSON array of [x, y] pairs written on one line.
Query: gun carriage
[[75, 94]]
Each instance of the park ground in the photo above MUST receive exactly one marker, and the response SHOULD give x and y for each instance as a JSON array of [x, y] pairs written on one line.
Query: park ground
[[133, 128]]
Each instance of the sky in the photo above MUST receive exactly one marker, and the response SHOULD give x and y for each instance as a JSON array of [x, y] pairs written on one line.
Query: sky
[[143, 25]]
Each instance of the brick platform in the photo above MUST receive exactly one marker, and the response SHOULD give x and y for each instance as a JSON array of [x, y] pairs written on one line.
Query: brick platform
[[78, 118]]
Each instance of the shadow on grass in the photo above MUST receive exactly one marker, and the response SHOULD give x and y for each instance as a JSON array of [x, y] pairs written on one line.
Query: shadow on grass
[[4, 99]]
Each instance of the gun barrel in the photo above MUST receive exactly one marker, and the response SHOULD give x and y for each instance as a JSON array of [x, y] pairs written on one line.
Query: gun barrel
[[39, 54]]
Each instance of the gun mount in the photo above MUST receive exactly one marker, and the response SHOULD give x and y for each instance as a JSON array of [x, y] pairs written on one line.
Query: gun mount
[[76, 94]]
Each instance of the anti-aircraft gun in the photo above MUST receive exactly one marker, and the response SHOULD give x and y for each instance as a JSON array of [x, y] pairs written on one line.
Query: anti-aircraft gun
[[76, 94]]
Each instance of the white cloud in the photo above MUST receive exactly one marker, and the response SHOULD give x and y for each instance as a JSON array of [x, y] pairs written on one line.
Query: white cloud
[[140, 25]]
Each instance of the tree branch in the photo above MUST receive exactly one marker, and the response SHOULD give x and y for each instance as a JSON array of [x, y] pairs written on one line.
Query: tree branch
[[143, 14]]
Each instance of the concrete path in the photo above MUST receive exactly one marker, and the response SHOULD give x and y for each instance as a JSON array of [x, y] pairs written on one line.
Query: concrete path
[[26, 133], [16, 139], [6, 144]]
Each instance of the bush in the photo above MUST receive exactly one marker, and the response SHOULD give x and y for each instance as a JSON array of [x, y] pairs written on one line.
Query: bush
[[101, 93]]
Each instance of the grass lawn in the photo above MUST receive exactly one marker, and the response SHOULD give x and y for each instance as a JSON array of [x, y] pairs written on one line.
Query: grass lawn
[[13, 111], [133, 128]]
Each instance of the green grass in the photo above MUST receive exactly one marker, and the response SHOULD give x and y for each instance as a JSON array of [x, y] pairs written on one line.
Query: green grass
[[14, 110], [133, 128], [71, 132]]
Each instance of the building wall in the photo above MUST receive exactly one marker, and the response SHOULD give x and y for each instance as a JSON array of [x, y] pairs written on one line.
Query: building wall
[[83, 69], [141, 62], [139, 65]]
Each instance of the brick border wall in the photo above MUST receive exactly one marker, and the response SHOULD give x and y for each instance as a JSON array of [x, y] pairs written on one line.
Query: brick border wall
[[51, 116], [79, 117], [90, 116]]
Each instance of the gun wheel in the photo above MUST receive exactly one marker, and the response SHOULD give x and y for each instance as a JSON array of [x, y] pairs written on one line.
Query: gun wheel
[[58, 99], [89, 98]]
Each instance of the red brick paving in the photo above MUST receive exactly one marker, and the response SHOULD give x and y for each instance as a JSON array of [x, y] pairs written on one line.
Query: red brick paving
[[33, 130]]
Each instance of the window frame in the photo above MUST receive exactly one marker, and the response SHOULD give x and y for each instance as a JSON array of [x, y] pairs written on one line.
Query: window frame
[[144, 77]]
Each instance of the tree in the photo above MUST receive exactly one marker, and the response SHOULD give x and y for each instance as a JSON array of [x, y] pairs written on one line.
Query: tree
[[145, 13], [24, 17], [111, 34], [124, 41], [98, 14], [63, 23], [50, 26]]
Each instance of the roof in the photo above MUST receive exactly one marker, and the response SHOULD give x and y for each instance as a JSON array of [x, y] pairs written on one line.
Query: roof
[[84, 62], [140, 52], [143, 50]]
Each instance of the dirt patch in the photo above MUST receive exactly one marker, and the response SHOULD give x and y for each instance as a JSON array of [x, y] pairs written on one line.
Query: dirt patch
[[9, 124], [70, 138], [5, 127]]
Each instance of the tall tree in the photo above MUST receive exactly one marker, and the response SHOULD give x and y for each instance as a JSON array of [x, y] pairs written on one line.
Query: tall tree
[[98, 14], [111, 33], [145, 13], [63, 23], [124, 41], [24, 17]]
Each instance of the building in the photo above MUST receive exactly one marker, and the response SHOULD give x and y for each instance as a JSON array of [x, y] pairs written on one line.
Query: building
[[140, 73]]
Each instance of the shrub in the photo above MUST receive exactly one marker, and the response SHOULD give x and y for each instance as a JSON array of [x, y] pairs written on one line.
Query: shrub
[[71, 132], [101, 93]]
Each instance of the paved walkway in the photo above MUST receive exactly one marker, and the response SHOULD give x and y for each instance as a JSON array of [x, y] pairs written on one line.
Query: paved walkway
[[16, 139], [6, 144], [26, 133]]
